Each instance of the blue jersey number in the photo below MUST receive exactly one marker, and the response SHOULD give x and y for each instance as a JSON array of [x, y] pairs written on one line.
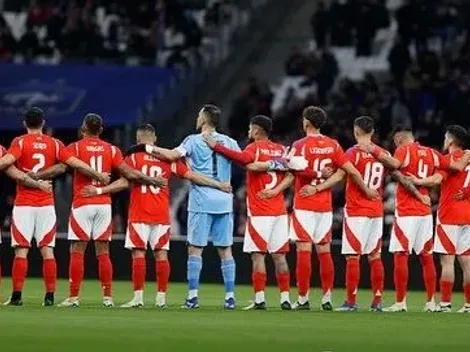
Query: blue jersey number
[[214, 165]]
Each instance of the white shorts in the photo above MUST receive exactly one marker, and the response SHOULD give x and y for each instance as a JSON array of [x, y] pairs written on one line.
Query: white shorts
[[452, 239], [362, 235], [266, 234], [90, 222], [311, 226], [412, 233], [39, 223], [139, 234]]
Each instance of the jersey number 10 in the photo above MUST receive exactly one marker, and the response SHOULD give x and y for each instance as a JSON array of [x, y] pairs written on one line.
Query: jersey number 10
[[152, 171]]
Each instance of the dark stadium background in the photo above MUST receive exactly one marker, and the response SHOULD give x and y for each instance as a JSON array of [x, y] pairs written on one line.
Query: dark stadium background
[[159, 61]]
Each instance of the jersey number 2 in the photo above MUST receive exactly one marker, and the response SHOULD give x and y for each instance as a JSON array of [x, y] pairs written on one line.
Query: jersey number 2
[[41, 162]]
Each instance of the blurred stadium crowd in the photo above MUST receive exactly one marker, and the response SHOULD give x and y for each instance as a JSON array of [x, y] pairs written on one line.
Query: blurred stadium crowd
[[427, 86], [110, 31]]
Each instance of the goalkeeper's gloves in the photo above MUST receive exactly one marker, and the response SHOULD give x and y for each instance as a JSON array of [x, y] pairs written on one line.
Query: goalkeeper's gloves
[[278, 165], [297, 163]]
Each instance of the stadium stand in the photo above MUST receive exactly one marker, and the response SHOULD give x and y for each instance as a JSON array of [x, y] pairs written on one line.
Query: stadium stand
[[415, 73]]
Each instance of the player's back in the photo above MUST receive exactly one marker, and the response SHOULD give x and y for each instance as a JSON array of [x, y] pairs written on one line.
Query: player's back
[[452, 211], [320, 152], [202, 159], [150, 204], [36, 152], [373, 174], [421, 162], [100, 156], [259, 181]]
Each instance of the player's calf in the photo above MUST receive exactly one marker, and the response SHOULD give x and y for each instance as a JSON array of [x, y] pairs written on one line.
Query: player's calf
[[139, 266], [105, 271], [162, 269], [303, 274], [464, 261], [283, 279], [18, 276]]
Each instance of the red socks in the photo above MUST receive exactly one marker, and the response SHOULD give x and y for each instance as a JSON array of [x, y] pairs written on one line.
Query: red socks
[[49, 273], [352, 279], [377, 279], [446, 291], [303, 271], [466, 292], [162, 268], [139, 267], [259, 281], [283, 281], [400, 275], [76, 272], [18, 273], [429, 275], [327, 271], [105, 273]]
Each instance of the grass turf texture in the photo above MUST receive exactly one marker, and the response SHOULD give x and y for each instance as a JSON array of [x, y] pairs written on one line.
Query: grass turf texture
[[93, 328]]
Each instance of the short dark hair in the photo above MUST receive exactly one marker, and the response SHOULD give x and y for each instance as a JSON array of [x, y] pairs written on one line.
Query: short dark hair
[[402, 128], [34, 118], [365, 123], [146, 128], [264, 122], [315, 115], [213, 113], [93, 124], [459, 133]]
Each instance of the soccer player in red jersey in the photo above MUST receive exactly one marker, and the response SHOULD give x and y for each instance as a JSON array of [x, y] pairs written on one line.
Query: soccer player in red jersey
[[149, 215], [363, 219], [453, 218], [34, 214], [90, 217], [413, 227], [23, 179], [267, 222], [313, 216]]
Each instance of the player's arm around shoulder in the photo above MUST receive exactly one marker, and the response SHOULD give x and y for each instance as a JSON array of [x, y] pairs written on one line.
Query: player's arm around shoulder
[[27, 181], [8, 158], [382, 155], [203, 180], [133, 175]]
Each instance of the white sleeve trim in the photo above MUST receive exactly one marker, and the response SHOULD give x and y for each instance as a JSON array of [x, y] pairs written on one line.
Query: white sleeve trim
[[182, 151]]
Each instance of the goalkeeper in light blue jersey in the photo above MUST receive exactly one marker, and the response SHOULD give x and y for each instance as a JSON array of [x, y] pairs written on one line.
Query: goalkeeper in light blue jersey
[[210, 211]]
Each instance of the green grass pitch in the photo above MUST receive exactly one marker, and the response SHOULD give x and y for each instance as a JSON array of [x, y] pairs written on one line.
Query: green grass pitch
[[92, 328]]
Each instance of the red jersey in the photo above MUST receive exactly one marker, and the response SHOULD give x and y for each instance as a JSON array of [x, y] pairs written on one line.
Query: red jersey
[[452, 211], [320, 152], [36, 152], [100, 156], [421, 162], [150, 204], [259, 181], [373, 174]]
